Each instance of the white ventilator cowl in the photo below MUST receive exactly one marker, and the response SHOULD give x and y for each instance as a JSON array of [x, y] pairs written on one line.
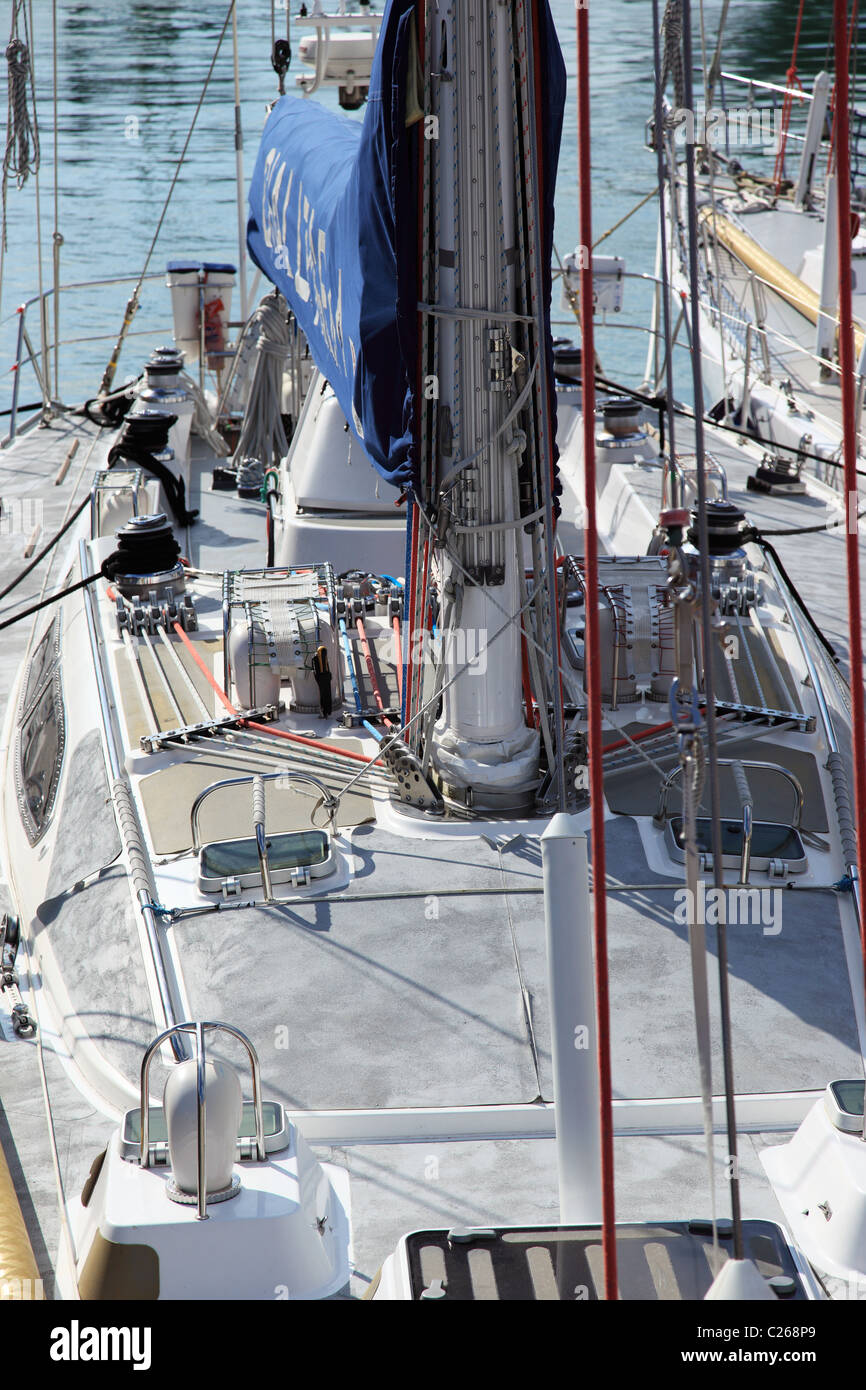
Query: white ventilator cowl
[[739, 1281], [222, 1119]]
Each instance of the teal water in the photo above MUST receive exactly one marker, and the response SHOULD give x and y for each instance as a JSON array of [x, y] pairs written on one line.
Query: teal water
[[129, 75]]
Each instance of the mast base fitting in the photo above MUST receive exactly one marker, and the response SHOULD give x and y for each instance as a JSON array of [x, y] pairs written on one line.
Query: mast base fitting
[[514, 801]]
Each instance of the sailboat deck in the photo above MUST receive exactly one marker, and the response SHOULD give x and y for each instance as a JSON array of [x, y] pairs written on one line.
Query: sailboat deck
[[815, 562], [423, 984]]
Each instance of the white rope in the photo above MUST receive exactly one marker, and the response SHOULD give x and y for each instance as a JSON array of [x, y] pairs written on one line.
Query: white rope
[[202, 424], [262, 436]]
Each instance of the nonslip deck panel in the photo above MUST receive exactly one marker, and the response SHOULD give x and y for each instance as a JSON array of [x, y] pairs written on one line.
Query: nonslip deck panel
[[168, 795], [398, 1188], [138, 718], [636, 792], [418, 1002]]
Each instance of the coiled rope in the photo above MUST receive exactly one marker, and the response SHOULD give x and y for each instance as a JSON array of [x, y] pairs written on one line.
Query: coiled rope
[[672, 51], [21, 156], [263, 436]]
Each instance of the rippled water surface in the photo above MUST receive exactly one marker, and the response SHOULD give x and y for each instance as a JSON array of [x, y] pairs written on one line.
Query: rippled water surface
[[129, 76]]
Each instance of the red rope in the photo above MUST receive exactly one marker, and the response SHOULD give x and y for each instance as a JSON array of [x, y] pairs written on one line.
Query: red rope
[[263, 728], [849, 445], [636, 738], [593, 663], [371, 670], [790, 79], [833, 92]]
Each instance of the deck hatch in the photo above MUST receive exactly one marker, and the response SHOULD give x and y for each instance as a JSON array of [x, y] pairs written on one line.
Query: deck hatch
[[276, 1127], [770, 840], [42, 661], [296, 855]]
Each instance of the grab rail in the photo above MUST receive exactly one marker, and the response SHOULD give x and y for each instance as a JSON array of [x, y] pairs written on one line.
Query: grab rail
[[327, 795], [799, 796], [199, 1030]]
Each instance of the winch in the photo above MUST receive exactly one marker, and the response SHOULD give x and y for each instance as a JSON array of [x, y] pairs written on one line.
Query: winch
[[163, 391], [150, 580], [732, 578], [148, 427], [146, 560]]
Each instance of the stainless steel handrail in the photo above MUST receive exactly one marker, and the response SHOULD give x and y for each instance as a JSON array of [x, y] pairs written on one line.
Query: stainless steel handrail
[[766, 86], [800, 799], [748, 806], [242, 781], [199, 1030]]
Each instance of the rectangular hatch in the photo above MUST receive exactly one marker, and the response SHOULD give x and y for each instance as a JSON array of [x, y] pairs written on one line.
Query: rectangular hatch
[[229, 866]]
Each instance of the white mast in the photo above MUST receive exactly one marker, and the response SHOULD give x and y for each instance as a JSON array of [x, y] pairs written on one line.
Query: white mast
[[481, 740]]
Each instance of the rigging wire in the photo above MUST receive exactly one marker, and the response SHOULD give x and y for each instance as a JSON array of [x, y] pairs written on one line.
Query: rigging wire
[[849, 441], [616, 226], [706, 634], [21, 155], [658, 117], [661, 402], [593, 665], [37, 559], [133, 301], [57, 239], [791, 79]]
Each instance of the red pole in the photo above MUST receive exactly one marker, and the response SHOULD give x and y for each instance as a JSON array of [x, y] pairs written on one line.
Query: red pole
[[849, 439], [593, 659]]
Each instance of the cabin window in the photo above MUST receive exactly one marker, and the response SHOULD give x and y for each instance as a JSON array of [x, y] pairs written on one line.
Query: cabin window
[[41, 664], [41, 736]]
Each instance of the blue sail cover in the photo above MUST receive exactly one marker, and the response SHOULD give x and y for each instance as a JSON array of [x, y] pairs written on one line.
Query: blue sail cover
[[334, 225]]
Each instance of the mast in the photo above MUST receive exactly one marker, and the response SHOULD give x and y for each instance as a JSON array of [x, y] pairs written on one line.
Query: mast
[[493, 416]]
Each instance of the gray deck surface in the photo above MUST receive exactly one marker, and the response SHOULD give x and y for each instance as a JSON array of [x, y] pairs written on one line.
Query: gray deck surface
[[386, 1006]]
